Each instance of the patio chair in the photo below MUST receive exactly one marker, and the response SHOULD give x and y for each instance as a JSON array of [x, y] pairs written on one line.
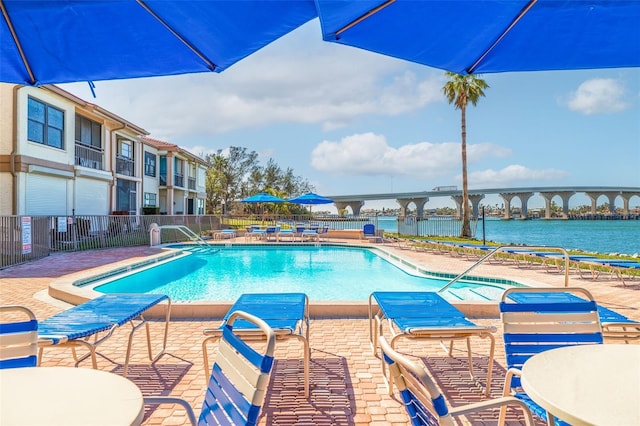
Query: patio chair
[[286, 233], [91, 323], [422, 399], [616, 267], [532, 326], [299, 229], [323, 233], [310, 235], [226, 234], [254, 232], [287, 314], [239, 379], [271, 232], [369, 232], [615, 326], [18, 337], [428, 316]]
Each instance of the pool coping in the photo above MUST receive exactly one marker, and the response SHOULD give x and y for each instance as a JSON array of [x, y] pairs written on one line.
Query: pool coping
[[72, 288]]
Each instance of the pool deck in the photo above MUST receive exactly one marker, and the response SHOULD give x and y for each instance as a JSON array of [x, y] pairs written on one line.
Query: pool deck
[[346, 380]]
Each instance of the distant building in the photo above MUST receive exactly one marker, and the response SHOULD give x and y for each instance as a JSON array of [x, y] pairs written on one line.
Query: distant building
[[61, 155], [182, 178]]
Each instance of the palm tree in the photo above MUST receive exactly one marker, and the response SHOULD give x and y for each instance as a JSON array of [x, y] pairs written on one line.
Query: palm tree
[[460, 90]]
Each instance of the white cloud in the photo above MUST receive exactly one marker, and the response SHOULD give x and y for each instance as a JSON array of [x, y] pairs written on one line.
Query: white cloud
[[513, 174], [598, 96], [321, 83], [369, 154]]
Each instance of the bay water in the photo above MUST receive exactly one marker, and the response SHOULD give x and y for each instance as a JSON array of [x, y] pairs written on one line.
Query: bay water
[[600, 236]]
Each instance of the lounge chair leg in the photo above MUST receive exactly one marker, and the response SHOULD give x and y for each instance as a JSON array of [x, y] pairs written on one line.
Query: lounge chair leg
[[149, 341]]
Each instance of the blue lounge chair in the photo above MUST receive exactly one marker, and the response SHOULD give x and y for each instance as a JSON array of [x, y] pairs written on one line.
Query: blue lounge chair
[[239, 378], [619, 267], [310, 235], [299, 229], [271, 232], [532, 326], [98, 319], [255, 232], [18, 337], [287, 314], [286, 233], [323, 232], [426, 315], [615, 326], [425, 404], [369, 232], [616, 267], [227, 233]]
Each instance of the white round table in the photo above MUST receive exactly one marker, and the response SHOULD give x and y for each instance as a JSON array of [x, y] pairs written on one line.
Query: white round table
[[588, 384], [68, 396]]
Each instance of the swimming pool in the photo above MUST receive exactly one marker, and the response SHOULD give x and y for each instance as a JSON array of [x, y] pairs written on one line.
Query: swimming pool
[[324, 273]]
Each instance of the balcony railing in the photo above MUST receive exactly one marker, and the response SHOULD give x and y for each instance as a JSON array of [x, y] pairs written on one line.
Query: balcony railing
[[125, 166], [192, 183], [178, 180], [89, 156], [163, 179]]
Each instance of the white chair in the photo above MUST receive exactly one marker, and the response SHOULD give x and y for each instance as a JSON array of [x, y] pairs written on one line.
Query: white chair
[[422, 398]]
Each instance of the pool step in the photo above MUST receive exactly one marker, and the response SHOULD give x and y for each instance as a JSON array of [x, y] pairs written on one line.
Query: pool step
[[202, 250]]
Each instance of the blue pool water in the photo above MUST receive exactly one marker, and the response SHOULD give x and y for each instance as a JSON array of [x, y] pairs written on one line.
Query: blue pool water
[[323, 273]]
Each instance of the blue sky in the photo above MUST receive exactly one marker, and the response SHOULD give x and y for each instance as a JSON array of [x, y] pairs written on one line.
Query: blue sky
[[352, 122]]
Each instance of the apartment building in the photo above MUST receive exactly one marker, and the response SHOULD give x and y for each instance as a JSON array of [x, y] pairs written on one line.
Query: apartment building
[[182, 178], [61, 155]]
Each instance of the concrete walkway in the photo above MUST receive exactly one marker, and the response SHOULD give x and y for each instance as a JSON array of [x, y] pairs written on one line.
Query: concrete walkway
[[346, 380]]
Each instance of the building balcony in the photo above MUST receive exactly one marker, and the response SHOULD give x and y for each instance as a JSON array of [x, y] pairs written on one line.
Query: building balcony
[[178, 180], [125, 166], [88, 156]]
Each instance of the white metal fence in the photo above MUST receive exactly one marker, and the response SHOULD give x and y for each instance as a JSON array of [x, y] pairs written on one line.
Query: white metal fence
[[26, 238]]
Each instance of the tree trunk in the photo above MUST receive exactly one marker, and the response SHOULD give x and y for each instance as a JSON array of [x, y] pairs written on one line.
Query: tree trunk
[[465, 232]]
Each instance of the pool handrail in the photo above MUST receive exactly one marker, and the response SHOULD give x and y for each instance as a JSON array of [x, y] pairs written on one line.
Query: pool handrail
[[504, 248]]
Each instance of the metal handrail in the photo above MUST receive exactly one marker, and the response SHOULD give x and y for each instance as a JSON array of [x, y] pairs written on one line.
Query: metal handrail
[[502, 248], [187, 232]]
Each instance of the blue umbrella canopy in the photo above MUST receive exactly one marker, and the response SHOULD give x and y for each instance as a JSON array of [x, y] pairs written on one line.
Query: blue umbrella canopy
[[44, 42], [49, 42], [311, 198], [263, 197], [485, 36]]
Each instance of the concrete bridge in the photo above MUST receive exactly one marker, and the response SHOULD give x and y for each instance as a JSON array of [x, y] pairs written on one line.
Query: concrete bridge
[[419, 199]]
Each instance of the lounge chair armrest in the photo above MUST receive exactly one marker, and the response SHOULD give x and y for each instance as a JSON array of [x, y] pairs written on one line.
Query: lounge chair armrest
[[507, 380], [172, 400], [212, 332], [494, 403]]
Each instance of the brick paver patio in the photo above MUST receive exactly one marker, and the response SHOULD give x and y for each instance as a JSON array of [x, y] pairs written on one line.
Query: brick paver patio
[[347, 387]]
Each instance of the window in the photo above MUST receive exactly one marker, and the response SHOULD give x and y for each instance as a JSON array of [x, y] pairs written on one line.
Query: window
[[178, 174], [150, 199], [125, 149], [88, 132], [124, 159], [126, 196], [149, 164], [45, 124]]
